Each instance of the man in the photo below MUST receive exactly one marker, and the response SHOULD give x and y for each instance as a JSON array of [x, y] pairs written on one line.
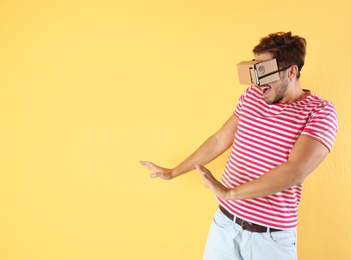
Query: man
[[279, 134]]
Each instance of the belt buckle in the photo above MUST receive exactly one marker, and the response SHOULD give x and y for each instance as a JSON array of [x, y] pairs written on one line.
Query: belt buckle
[[242, 224]]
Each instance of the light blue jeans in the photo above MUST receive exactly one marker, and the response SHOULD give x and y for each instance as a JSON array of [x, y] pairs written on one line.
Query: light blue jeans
[[228, 241]]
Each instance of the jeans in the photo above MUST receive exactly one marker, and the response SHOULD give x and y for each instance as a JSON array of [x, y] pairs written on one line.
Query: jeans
[[228, 241]]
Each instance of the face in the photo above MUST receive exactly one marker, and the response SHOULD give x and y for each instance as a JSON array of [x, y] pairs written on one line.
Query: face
[[273, 92]]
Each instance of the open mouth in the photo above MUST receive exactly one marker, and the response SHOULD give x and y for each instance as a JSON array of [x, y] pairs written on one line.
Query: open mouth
[[265, 88]]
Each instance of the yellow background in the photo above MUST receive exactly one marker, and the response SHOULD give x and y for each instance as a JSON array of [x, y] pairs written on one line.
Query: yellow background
[[88, 88]]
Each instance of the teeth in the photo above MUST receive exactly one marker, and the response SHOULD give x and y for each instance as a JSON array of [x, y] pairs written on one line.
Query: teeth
[[264, 88]]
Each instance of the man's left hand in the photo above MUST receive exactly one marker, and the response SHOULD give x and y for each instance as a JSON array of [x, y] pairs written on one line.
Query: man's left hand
[[213, 184]]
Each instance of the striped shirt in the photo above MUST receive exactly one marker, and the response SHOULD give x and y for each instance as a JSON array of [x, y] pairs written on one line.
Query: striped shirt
[[264, 139]]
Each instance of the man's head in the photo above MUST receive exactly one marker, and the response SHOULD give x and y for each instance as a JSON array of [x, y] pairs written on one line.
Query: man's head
[[287, 49]]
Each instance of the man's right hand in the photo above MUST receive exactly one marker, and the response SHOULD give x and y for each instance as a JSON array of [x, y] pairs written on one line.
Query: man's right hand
[[157, 171]]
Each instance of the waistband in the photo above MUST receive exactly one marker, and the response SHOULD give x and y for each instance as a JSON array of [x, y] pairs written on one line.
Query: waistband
[[245, 225]]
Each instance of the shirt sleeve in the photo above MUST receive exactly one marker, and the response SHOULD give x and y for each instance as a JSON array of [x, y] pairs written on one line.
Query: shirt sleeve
[[241, 101], [322, 124]]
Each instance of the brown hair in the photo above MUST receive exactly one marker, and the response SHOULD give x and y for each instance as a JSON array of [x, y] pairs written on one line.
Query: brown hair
[[287, 49]]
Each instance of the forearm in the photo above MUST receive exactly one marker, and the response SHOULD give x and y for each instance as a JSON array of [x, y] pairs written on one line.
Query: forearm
[[304, 158], [211, 148], [207, 152], [278, 179], [306, 155]]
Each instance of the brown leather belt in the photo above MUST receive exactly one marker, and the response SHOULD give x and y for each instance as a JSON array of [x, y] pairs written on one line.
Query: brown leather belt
[[247, 225]]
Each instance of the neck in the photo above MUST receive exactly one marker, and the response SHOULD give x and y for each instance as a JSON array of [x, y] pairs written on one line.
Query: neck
[[294, 92]]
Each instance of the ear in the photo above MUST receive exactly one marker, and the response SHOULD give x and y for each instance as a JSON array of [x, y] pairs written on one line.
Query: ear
[[292, 71]]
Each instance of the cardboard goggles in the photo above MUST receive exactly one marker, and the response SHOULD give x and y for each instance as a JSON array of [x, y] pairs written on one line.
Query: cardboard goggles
[[258, 72]]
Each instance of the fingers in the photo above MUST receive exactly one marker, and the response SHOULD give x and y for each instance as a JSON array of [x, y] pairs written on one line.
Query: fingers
[[207, 176], [201, 169], [145, 163], [210, 180], [149, 165], [157, 175], [157, 171], [205, 173], [213, 184]]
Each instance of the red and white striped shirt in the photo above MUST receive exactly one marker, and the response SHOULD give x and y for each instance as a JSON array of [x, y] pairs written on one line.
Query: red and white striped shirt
[[264, 139]]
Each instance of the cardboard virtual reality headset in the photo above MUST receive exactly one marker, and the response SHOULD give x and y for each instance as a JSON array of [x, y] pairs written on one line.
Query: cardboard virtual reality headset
[[258, 72]]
